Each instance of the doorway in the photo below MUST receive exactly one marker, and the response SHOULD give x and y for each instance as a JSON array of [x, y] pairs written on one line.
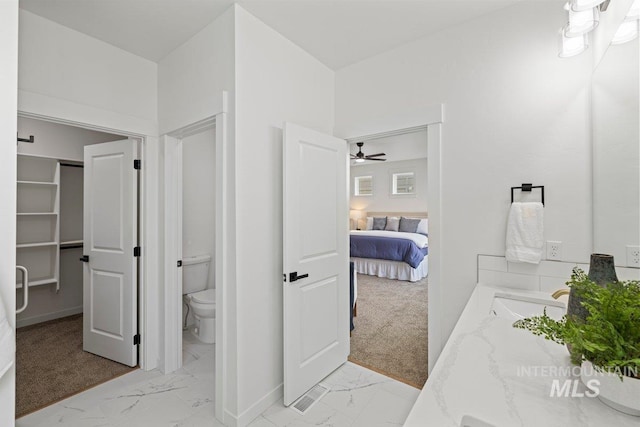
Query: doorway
[[50, 216], [391, 291], [209, 132], [431, 116]]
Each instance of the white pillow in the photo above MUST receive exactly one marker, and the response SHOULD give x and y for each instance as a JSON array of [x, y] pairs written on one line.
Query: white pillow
[[369, 223], [423, 227]]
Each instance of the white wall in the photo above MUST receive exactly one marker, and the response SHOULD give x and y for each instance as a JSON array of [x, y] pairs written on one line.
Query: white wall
[[276, 82], [192, 77], [8, 129], [60, 66], [514, 113], [382, 200], [198, 197]]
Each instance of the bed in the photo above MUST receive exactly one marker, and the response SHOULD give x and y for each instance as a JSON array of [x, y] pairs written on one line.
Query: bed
[[391, 254]]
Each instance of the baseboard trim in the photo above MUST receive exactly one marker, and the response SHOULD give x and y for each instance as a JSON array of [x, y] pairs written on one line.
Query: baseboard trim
[[245, 418], [48, 316]]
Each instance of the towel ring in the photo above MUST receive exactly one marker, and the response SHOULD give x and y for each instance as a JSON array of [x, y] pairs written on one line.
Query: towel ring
[[528, 188]]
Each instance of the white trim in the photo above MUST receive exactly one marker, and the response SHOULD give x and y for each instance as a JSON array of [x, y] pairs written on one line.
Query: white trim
[[222, 265], [172, 248], [254, 410], [435, 282], [48, 316], [431, 118]]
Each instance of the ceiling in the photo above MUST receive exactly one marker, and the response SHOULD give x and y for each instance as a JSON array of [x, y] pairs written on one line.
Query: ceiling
[[338, 33], [406, 146]]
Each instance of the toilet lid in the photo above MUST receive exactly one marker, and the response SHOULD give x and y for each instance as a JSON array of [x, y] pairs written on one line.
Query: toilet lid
[[208, 296]]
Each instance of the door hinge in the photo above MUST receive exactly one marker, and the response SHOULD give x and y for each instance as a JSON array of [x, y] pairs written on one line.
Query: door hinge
[[180, 263], [284, 277], [136, 339], [136, 251], [137, 164]]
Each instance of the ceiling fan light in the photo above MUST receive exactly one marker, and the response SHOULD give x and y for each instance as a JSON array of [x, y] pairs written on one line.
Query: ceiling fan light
[[359, 160], [571, 46], [582, 22], [627, 31], [580, 5]]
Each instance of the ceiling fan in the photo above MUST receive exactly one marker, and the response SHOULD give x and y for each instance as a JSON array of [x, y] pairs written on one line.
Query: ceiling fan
[[361, 157]]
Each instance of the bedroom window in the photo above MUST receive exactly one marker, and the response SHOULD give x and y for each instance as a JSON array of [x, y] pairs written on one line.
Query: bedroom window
[[403, 183], [363, 186]]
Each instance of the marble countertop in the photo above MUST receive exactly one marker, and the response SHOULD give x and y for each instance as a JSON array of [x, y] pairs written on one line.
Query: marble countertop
[[504, 376]]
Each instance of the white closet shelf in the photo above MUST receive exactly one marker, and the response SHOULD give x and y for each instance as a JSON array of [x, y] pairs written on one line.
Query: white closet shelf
[[36, 245], [37, 183], [37, 213], [40, 282], [71, 242]]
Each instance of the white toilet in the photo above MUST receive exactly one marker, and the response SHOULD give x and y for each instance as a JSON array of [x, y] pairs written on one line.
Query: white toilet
[[202, 301]]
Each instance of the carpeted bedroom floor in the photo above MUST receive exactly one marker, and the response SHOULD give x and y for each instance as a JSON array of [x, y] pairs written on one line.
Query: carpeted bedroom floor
[[390, 334], [51, 365]]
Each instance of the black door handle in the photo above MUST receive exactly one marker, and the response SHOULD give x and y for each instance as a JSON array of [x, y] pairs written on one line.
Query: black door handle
[[294, 276], [85, 258]]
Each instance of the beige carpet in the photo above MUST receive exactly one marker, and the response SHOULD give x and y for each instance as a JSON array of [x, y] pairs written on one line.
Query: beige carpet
[[390, 334], [51, 365]]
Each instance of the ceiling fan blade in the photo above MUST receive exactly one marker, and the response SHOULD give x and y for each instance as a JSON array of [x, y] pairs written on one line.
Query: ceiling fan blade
[[379, 160], [353, 156], [375, 155]]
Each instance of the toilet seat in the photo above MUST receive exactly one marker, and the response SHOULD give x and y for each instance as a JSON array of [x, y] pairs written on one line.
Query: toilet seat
[[208, 296]]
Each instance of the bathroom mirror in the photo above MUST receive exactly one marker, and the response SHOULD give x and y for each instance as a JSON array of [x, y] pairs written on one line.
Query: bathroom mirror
[[616, 152]]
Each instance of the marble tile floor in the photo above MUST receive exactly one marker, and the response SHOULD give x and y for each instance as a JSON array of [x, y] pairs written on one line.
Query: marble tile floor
[[358, 398]]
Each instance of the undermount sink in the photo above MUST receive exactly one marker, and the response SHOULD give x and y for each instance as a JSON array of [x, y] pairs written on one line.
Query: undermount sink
[[516, 307]]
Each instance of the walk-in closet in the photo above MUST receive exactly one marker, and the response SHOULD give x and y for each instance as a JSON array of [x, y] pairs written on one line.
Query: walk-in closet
[[51, 363]]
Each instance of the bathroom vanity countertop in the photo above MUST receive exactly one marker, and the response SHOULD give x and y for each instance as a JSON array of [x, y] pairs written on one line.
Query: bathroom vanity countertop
[[503, 376]]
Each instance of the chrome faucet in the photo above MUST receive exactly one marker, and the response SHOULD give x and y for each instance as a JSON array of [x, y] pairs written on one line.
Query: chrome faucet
[[557, 294]]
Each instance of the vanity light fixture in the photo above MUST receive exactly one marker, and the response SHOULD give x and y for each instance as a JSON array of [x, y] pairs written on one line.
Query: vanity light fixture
[[582, 22], [571, 46], [583, 5]]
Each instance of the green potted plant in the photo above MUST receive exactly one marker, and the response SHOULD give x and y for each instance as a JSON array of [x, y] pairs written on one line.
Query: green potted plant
[[607, 343]]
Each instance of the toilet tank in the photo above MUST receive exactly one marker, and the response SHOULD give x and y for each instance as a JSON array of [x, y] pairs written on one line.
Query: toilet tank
[[195, 273]]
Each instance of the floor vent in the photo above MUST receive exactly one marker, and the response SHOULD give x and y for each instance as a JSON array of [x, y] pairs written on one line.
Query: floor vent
[[310, 398]]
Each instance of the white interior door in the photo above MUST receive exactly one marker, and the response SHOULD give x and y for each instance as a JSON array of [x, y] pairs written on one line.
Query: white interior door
[[316, 216], [110, 236]]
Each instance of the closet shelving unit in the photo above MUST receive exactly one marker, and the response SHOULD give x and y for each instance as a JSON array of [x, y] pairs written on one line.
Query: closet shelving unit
[[38, 219]]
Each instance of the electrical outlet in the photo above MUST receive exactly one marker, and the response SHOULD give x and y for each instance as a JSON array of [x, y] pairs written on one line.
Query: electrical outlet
[[554, 250], [633, 256]]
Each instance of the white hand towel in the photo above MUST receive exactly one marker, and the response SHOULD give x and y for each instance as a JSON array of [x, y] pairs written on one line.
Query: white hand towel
[[7, 343], [525, 232]]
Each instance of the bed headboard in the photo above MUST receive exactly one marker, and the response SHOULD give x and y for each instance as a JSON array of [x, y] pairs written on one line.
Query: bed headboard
[[399, 214]]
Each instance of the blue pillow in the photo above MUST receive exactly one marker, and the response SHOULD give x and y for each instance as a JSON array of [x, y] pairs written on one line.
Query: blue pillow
[[379, 223], [409, 225]]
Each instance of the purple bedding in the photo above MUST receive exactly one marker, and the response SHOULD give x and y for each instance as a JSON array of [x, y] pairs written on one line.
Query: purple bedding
[[387, 248]]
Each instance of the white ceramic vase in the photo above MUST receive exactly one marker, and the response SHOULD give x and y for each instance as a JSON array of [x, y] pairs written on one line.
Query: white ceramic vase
[[620, 395]]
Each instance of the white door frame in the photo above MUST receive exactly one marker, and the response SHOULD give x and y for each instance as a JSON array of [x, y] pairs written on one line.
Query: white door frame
[[172, 248], [431, 118], [147, 355]]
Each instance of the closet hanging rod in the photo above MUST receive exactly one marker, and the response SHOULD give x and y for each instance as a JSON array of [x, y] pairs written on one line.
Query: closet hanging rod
[[71, 247], [71, 165], [31, 139], [528, 188]]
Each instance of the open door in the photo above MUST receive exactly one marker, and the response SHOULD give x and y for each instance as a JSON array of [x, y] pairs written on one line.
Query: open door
[[316, 258], [110, 265]]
